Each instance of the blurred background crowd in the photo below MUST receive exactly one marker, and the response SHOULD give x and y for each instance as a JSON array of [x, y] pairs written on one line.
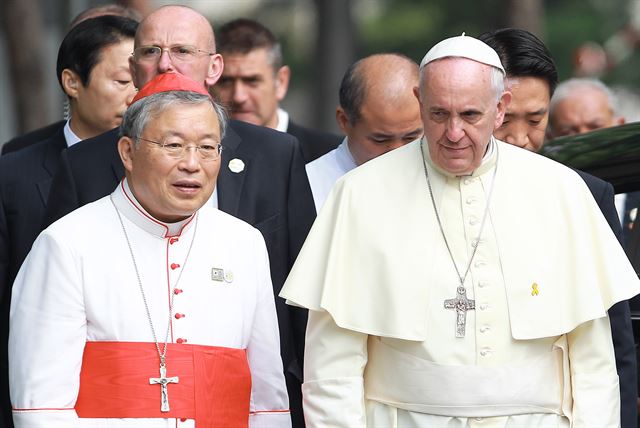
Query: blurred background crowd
[[320, 38]]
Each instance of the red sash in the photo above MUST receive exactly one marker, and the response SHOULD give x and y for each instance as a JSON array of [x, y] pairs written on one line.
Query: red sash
[[214, 383]]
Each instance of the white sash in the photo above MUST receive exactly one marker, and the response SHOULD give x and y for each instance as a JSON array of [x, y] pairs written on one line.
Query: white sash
[[407, 382]]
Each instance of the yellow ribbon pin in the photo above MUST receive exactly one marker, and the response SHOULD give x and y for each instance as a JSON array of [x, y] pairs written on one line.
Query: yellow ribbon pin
[[534, 289]]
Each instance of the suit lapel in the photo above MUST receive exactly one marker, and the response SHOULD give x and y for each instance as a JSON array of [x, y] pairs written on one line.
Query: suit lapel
[[55, 145], [233, 170]]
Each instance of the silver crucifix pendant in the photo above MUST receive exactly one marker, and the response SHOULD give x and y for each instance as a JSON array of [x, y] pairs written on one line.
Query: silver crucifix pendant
[[461, 304], [163, 381]]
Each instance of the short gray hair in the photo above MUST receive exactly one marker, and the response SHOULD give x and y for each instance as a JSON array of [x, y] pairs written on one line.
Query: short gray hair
[[496, 78], [139, 113], [570, 86]]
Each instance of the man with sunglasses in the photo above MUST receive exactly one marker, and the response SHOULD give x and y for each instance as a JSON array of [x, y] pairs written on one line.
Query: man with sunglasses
[[179, 327], [261, 181]]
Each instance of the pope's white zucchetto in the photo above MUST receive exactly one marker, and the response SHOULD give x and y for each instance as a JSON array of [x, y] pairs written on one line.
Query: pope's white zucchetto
[[463, 47]]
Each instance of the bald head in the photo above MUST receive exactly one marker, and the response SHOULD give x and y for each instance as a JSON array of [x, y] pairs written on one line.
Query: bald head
[[171, 26], [379, 79], [581, 105], [175, 19], [378, 111]]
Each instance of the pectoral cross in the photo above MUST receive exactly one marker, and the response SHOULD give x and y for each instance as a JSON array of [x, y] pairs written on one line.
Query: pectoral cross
[[163, 381], [461, 304]]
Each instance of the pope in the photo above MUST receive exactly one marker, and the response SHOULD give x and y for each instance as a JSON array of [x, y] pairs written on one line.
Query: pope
[[442, 309]]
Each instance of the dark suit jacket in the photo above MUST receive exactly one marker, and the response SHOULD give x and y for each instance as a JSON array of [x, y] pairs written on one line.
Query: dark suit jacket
[[25, 179], [32, 137], [272, 193], [313, 143], [619, 313]]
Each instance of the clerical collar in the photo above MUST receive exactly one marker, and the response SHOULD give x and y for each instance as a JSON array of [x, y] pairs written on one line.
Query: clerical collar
[[488, 161], [283, 120], [345, 157], [129, 206], [69, 136]]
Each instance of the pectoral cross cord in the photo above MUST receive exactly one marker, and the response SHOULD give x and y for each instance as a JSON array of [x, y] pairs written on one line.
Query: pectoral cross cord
[[461, 303]]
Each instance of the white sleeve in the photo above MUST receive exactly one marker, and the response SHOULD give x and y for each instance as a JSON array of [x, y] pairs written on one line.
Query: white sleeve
[[269, 406], [46, 338], [334, 362], [594, 380]]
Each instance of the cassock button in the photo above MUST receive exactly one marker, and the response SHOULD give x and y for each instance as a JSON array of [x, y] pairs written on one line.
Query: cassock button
[[181, 340], [183, 419], [178, 316], [175, 266], [177, 291], [173, 240]]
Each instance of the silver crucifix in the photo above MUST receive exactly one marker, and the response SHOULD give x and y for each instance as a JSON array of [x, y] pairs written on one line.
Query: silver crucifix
[[163, 381], [461, 304]]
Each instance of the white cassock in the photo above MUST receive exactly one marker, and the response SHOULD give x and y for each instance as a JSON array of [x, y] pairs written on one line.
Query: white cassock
[[327, 169], [381, 349], [81, 349]]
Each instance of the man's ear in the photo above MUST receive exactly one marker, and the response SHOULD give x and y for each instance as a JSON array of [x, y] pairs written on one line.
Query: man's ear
[[216, 65], [283, 75], [503, 102], [416, 93], [70, 82], [126, 150], [343, 120]]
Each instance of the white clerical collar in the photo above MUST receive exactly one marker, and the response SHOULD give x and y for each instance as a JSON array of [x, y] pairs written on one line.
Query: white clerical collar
[[70, 137], [345, 158], [129, 206], [488, 160], [283, 120]]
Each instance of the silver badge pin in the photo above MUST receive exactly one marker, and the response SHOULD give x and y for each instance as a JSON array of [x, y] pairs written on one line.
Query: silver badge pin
[[217, 274]]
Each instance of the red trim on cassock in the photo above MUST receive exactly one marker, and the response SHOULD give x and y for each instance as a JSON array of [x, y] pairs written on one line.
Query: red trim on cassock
[[166, 229], [214, 385], [169, 307]]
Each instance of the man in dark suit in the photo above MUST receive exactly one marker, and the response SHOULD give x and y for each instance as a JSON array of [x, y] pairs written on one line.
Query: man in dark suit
[[532, 78], [261, 181], [254, 82], [93, 72], [35, 136]]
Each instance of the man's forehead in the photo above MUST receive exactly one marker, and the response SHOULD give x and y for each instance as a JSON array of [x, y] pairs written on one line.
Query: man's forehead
[[174, 26], [182, 119], [248, 63], [159, 35]]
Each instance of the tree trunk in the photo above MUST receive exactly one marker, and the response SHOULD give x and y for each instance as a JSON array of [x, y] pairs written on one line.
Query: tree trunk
[[335, 51], [525, 14], [23, 23], [143, 6]]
